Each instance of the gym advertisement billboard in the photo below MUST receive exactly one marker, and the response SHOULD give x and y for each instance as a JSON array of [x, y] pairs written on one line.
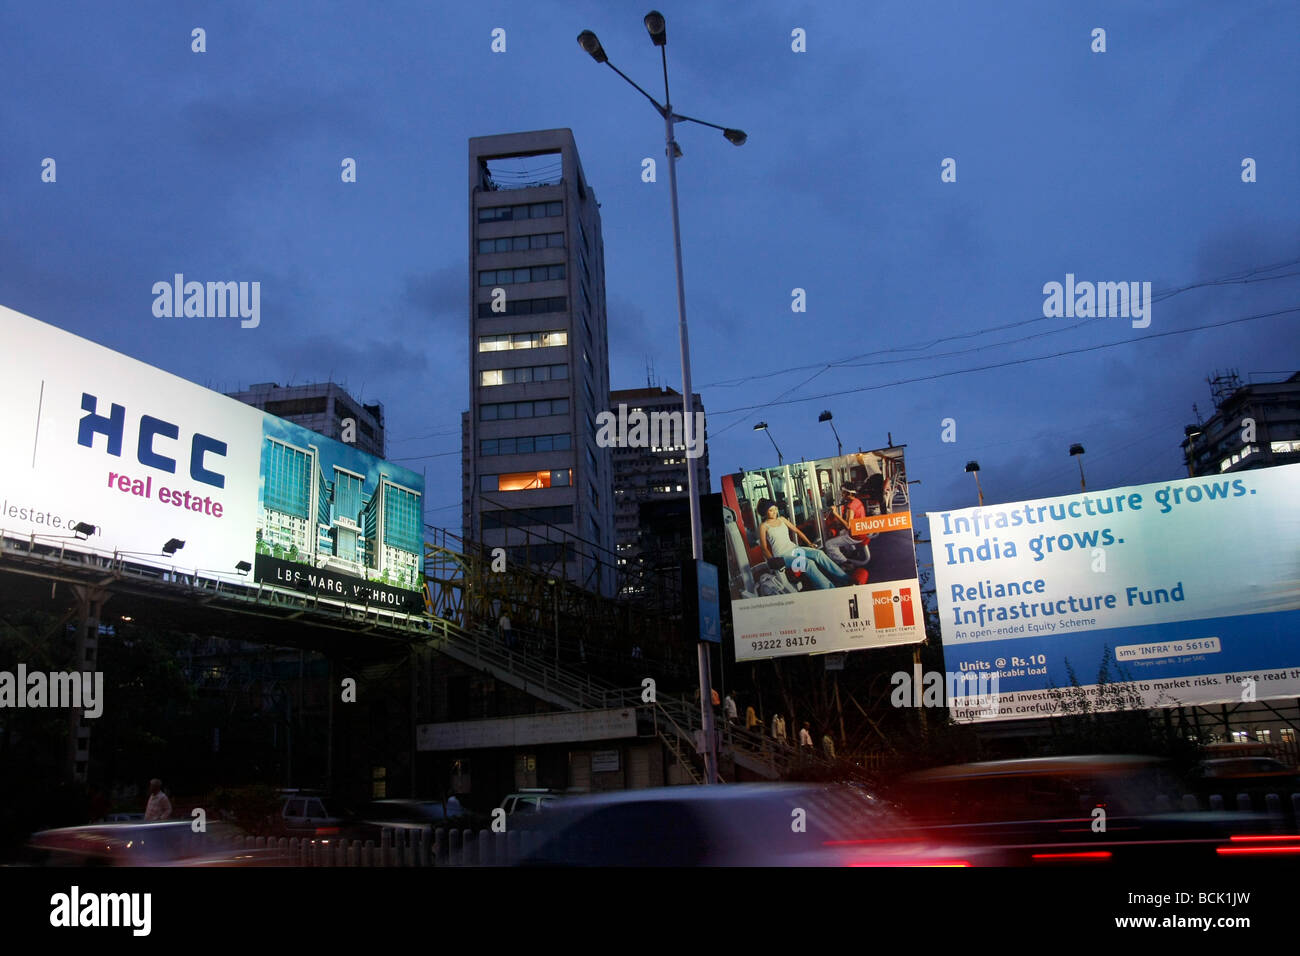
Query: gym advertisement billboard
[[1184, 592], [91, 435], [820, 556]]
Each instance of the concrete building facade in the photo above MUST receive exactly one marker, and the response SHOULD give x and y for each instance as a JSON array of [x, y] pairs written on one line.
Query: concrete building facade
[[323, 407], [534, 479], [1253, 426]]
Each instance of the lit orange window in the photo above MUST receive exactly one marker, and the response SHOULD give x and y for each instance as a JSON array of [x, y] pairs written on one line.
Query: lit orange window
[[523, 480]]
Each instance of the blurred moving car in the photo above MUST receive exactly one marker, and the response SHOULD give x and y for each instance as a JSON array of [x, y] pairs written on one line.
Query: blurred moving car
[[166, 843], [1079, 809], [729, 825], [369, 822]]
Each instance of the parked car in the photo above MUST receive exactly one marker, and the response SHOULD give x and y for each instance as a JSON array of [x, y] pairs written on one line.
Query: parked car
[[304, 814], [1252, 775], [531, 801]]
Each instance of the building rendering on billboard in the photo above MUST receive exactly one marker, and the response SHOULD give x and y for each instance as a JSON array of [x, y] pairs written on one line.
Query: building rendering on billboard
[[96, 437], [1185, 592], [820, 556]]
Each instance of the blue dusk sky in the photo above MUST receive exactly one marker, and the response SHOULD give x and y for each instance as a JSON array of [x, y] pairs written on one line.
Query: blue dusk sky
[[924, 298]]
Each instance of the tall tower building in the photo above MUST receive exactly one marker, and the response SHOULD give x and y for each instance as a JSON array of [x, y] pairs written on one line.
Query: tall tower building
[[534, 479]]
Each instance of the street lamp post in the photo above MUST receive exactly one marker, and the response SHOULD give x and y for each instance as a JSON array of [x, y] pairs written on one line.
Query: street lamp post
[[826, 416], [762, 427], [1076, 452], [657, 28], [974, 468], [1191, 431]]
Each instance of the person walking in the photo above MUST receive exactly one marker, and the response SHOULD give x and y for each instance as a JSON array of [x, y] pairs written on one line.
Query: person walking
[[730, 708], [751, 719], [503, 623], [828, 746], [805, 737], [159, 807], [778, 730]]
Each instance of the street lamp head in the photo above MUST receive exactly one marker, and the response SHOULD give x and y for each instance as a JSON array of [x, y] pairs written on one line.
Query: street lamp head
[[824, 416], [588, 41], [656, 27], [761, 426], [172, 546], [736, 137], [972, 466], [1076, 449]]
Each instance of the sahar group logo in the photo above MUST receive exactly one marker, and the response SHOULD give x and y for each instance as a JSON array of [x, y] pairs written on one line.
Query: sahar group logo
[[855, 626]]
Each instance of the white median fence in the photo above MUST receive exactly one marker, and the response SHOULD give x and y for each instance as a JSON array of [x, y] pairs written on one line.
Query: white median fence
[[396, 848]]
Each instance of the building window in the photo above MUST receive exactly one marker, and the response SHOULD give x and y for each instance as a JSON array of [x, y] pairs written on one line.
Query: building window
[[297, 406], [523, 445], [503, 411], [520, 376], [543, 240], [1282, 447], [522, 340], [555, 303], [526, 480], [536, 210], [527, 274], [526, 517]]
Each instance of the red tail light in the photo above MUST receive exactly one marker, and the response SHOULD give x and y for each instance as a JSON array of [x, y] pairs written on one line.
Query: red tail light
[[1273, 838], [1082, 855], [940, 863]]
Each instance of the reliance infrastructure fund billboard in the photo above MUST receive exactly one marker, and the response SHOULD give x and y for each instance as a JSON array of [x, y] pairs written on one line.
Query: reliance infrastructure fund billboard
[[90, 435], [1184, 592], [820, 556]]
